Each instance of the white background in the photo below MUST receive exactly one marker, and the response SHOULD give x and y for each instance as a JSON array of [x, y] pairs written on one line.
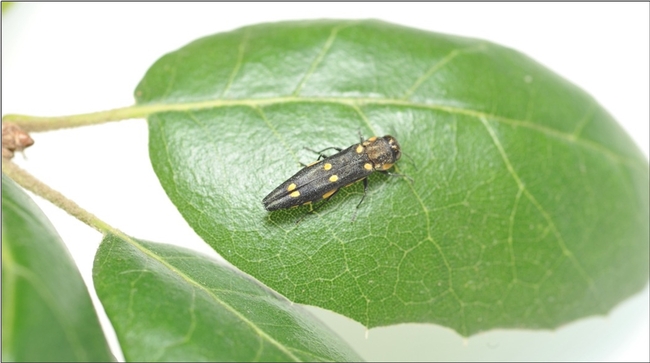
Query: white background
[[60, 59]]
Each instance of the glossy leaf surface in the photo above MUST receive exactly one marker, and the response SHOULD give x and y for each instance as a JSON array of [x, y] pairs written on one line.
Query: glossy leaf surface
[[47, 314], [528, 205], [170, 304]]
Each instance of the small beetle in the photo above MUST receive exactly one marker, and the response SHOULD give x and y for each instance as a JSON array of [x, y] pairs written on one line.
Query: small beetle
[[322, 179]]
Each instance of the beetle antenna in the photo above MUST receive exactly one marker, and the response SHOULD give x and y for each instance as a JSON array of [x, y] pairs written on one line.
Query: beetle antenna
[[410, 160]]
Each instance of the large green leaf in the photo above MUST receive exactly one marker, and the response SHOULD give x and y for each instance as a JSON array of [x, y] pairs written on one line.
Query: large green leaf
[[168, 303], [528, 205], [47, 314]]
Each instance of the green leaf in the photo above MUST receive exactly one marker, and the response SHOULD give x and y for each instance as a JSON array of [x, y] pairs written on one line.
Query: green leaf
[[172, 304], [47, 314], [528, 206]]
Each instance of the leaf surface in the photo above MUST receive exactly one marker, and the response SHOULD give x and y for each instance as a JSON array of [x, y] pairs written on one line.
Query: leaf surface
[[171, 304], [528, 205], [47, 314]]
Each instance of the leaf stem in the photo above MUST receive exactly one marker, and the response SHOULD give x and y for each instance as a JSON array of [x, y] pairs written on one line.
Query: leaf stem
[[29, 182], [36, 123], [39, 124]]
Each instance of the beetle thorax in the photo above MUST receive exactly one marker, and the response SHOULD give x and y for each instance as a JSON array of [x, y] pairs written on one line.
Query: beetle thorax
[[383, 152]]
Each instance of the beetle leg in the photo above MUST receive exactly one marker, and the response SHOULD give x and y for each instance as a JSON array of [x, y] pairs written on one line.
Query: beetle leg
[[320, 153], [365, 187], [396, 174], [317, 206]]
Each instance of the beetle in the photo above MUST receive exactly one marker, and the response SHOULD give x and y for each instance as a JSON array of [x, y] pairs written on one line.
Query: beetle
[[323, 178]]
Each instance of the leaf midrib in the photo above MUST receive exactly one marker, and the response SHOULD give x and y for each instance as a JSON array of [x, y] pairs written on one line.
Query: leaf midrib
[[255, 103], [216, 298]]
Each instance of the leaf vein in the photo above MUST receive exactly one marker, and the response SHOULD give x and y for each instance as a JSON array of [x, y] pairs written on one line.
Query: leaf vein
[[510, 235], [558, 236], [240, 57], [363, 117], [275, 132], [355, 278], [321, 55], [434, 68], [171, 78], [584, 121], [215, 297]]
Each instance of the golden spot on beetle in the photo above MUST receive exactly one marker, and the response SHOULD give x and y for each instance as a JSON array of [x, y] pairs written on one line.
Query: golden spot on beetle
[[327, 166], [359, 149], [367, 166], [329, 194], [295, 194], [387, 166], [372, 138], [334, 178], [291, 187]]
